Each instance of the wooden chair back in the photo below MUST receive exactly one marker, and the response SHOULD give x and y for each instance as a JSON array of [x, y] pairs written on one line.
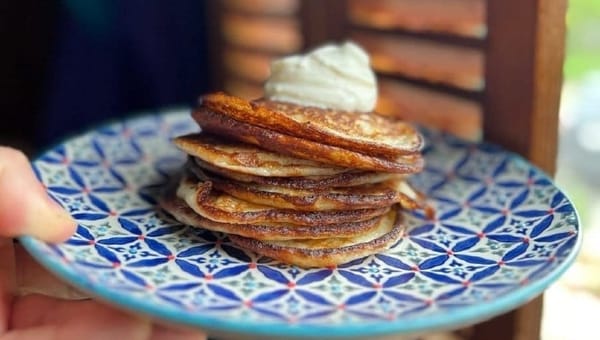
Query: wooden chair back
[[479, 69]]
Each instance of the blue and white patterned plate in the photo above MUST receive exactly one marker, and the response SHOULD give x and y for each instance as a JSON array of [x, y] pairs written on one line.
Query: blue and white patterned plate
[[503, 233]]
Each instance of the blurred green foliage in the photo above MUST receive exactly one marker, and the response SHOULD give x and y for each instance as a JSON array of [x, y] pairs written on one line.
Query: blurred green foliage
[[583, 38]]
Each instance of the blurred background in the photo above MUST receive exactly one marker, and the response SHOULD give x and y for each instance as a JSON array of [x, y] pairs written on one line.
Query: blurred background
[[578, 169], [68, 65]]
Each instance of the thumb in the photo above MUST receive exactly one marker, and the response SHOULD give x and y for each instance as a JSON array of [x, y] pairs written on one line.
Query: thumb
[[25, 207]]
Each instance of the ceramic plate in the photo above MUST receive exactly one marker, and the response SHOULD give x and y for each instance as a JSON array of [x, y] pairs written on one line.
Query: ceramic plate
[[503, 233]]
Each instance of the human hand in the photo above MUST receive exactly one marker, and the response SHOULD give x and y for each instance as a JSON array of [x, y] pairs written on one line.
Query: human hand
[[26, 209]]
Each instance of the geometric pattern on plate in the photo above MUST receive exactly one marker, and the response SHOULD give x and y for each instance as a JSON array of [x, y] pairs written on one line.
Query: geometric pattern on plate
[[500, 226]]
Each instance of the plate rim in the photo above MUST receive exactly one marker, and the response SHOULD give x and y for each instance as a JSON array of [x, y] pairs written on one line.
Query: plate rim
[[466, 315]]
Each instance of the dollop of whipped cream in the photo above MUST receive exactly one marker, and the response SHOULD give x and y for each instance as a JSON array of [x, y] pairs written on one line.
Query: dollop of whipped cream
[[332, 76]]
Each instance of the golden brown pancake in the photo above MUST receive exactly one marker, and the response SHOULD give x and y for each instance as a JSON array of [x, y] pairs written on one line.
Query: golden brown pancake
[[224, 208], [366, 133], [249, 159], [221, 124], [332, 251], [378, 195], [346, 179], [267, 231], [306, 186]]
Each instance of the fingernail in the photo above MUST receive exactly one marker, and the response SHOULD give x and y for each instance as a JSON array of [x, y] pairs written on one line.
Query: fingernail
[[48, 220]]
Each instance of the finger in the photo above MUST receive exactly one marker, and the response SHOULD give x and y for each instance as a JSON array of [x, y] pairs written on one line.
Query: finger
[[52, 332], [32, 278], [44, 332], [76, 319], [25, 207], [89, 320], [121, 329], [7, 281]]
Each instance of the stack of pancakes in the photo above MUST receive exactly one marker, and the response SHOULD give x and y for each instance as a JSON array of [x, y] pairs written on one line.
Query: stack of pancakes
[[303, 185]]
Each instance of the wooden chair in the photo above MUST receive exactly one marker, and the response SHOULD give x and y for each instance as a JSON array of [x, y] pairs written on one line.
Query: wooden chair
[[480, 69]]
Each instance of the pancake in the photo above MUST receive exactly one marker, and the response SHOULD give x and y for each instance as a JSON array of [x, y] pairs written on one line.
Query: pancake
[[249, 159], [220, 124], [332, 251], [369, 196], [361, 132], [267, 231], [220, 207], [378, 195], [346, 179], [303, 185]]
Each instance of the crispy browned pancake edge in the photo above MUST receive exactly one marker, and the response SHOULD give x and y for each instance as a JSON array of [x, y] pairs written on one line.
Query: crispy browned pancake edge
[[367, 196], [273, 231], [201, 197], [250, 159], [279, 116], [346, 179], [323, 257], [223, 125]]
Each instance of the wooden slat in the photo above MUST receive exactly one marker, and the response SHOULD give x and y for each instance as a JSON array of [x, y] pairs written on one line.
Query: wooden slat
[[274, 34], [524, 76], [435, 62], [464, 18], [323, 21], [251, 65], [453, 114], [242, 88], [215, 43], [521, 324], [525, 54], [548, 67], [263, 7]]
